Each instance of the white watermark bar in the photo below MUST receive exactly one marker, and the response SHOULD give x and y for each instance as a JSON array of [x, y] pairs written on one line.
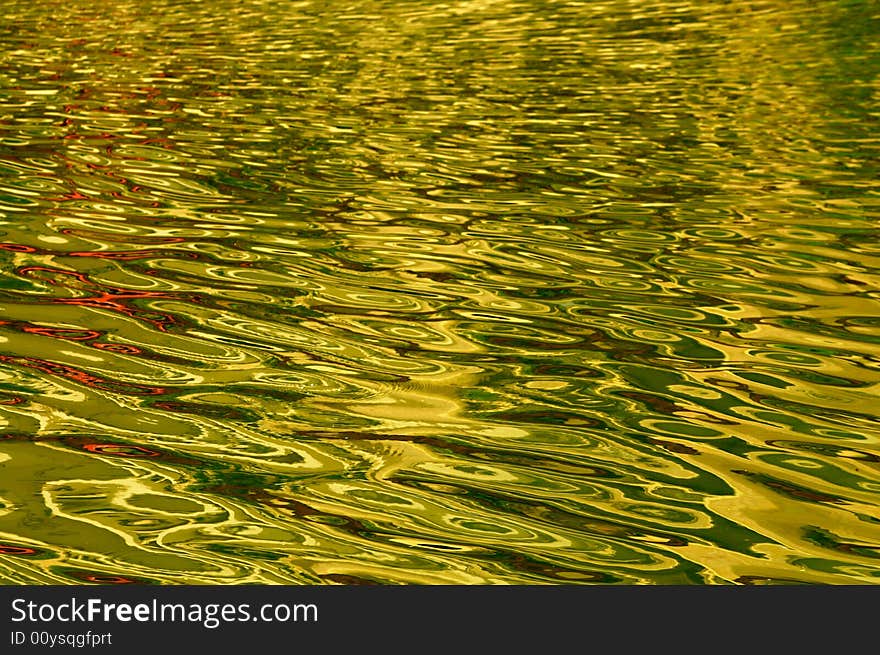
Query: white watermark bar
[[47, 639], [245, 620], [210, 615]]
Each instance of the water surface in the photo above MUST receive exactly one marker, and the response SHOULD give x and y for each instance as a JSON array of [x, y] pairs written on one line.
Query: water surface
[[476, 292]]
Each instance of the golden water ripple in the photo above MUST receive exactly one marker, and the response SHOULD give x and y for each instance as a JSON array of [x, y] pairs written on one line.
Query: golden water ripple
[[472, 293]]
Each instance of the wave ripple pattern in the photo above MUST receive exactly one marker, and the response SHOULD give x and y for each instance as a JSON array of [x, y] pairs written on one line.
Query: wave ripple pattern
[[470, 292]]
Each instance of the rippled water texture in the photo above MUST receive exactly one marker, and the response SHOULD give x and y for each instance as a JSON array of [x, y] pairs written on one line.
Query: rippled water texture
[[406, 292]]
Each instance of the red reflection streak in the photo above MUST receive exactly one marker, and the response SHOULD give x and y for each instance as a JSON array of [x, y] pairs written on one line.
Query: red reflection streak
[[120, 450], [108, 579], [15, 247], [82, 277], [69, 334], [73, 195], [89, 380], [109, 299], [6, 549], [165, 143], [121, 348], [61, 333]]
